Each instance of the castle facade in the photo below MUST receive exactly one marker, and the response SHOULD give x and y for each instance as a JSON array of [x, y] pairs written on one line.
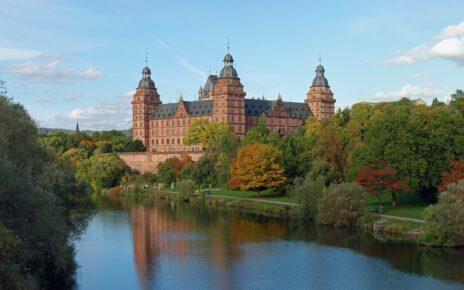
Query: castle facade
[[161, 127]]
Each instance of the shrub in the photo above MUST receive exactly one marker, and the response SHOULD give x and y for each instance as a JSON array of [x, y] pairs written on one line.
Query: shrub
[[342, 204], [186, 187], [307, 195], [444, 220]]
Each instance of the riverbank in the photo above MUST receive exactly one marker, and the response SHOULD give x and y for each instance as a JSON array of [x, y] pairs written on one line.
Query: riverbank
[[382, 227]]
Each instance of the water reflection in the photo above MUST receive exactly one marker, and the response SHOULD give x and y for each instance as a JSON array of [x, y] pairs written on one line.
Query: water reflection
[[188, 248]]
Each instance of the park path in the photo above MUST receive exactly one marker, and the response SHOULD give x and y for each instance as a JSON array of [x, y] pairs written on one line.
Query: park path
[[399, 218]]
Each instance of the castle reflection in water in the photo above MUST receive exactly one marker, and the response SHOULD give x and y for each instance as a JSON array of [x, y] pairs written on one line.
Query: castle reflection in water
[[158, 232]]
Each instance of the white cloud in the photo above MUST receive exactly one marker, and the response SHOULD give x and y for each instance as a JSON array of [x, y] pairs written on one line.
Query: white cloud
[[423, 91], [450, 47], [182, 60], [116, 114], [17, 53], [50, 69], [128, 94], [453, 30], [90, 74]]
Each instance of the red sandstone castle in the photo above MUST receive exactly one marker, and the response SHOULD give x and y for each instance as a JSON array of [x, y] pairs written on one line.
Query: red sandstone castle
[[161, 127]]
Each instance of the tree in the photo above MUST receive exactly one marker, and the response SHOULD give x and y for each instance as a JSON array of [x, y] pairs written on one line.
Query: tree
[[342, 204], [443, 220], [296, 154], [418, 140], [43, 208], [220, 143], [453, 175], [170, 169], [329, 148], [257, 167], [209, 134], [378, 178], [102, 171], [260, 134], [457, 101]]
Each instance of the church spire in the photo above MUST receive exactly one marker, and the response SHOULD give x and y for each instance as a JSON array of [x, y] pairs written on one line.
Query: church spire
[[77, 127]]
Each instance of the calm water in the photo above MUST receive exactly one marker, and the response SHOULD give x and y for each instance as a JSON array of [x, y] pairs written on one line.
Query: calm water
[[159, 247]]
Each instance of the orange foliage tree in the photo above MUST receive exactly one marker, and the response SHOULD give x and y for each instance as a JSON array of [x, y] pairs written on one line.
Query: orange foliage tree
[[379, 178], [455, 174], [257, 167]]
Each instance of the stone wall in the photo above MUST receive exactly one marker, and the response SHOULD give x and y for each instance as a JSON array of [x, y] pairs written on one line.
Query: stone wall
[[148, 162]]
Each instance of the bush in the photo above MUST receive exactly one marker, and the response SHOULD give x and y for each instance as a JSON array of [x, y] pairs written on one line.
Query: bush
[[342, 204], [186, 187], [444, 221], [307, 195]]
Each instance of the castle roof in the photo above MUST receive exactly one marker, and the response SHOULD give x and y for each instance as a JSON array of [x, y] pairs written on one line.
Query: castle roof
[[320, 80], [146, 81], [258, 107], [253, 107], [204, 92], [228, 71], [194, 108]]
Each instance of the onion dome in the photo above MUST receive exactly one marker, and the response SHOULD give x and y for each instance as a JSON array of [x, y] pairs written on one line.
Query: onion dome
[[146, 82], [320, 80], [228, 71]]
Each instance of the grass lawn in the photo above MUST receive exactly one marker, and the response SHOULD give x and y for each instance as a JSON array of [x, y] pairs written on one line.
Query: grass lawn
[[268, 195], [403, 209]]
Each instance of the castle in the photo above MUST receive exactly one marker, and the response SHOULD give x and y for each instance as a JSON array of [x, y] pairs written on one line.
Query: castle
[[161, 127]]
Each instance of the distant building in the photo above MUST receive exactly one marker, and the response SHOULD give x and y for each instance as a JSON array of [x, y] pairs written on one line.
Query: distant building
[[77, 127], [161, 127]]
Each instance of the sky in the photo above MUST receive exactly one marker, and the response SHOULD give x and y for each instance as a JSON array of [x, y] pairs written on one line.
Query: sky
[[69, 61]]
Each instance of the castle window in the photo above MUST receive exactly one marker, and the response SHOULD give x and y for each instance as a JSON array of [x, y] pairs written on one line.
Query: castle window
[[178, 141], [162, 141], [167, 141], [156, 141], [152, 142]]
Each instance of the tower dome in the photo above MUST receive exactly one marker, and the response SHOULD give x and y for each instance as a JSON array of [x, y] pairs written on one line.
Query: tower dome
[[146, 82], [228, 71], [320, 80]]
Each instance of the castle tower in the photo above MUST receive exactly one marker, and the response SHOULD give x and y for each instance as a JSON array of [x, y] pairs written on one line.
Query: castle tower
[[229, 98], [144, 102], [319, 97]]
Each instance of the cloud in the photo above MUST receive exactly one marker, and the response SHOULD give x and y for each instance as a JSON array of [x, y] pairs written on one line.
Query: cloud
[[17, 54], [423, 91], [50, 69], [453, 30], [128, 94], [90, 74], [182, 60], [450, 46]]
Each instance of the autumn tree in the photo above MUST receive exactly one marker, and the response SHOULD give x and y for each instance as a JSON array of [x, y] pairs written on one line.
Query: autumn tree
[[453, 175], [380, 178], [170, 169], [257, 167]]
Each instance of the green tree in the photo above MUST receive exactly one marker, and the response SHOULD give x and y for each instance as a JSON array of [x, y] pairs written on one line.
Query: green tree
[[342, 204], [457, 101], [261, 134], [42, 207], [443, 220]]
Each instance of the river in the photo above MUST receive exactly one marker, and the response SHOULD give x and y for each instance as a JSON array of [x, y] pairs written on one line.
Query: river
[[181, 247]]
